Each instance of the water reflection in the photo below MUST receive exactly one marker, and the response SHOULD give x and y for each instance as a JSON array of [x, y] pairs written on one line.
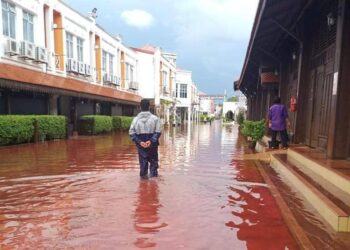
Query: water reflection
[[146, 217], [85, 193]]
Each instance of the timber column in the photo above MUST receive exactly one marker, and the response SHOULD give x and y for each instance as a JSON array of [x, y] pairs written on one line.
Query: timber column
[[339, 117], [53, 104]]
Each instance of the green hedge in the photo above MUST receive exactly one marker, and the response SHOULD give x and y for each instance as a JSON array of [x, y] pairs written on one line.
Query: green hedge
[[201, 118], [51, 127], [122, 122], [95, 124], [15, 129], [240, 118]]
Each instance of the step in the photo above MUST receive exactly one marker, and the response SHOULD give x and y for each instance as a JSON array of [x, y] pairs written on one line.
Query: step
[[328, 208], [335, 176]]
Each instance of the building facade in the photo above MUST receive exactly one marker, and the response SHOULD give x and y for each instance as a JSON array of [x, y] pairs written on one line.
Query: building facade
[[206, 104], [53, 60], [187, 99], [157, 71], [300, 51]]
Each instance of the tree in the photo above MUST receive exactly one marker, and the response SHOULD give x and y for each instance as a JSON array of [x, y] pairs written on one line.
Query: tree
[[233, 99]]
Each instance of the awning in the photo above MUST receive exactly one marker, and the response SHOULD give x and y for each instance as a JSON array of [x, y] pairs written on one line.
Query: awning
[[15, 77], [275, 21]]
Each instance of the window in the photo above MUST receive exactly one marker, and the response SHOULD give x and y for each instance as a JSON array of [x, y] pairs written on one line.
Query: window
[[28, 27], [183, 90], [104, 60], [110, 57], [80, 49], [69, 45], [8, 19], [127, 71], [165, 78], [131, 73]]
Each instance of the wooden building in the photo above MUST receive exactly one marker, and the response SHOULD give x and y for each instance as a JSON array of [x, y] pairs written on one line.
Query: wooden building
[[300, 50]]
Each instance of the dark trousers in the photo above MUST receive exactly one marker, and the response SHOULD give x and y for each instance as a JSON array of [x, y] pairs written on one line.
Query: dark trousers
[[148, 157], [284, 138]]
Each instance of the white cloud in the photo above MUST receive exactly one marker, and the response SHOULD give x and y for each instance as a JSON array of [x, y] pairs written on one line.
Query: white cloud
[[137, 18], [213, 20]]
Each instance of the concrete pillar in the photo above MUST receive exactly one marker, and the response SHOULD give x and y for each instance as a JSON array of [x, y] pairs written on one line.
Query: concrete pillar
[[189, 114], [8, 102], [174, 116], [53, 104], [167, 115]]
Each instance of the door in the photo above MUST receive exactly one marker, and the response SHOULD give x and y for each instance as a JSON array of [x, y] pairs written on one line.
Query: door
[[317, 106], [322, 98]]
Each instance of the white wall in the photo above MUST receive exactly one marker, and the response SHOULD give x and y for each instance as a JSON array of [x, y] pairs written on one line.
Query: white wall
[[184, 77], [229, 106], [146, 75]]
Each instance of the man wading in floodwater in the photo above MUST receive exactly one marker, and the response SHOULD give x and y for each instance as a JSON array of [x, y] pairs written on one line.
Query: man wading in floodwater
[[145, 131]]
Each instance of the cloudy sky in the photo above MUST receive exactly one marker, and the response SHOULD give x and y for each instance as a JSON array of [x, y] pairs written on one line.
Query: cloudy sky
[[210, 37]]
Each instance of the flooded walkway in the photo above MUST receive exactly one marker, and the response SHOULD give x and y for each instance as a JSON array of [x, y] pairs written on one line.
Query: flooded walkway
[[85, 193]]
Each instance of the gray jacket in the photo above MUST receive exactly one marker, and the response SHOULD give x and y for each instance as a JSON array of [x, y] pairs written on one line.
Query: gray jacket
[[145, 127]]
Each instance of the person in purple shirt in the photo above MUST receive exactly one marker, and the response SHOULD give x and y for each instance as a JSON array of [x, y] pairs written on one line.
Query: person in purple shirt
[[278, 122]]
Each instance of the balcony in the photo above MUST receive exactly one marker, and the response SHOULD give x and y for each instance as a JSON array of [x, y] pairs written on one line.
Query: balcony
[[111, 80], [134, 85]]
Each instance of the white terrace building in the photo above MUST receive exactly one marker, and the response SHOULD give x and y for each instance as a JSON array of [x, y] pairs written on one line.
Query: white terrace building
[[157, 70], [187, 104], [71, 65]]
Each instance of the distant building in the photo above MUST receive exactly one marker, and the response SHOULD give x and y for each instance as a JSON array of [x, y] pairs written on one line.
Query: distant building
[[206, 104], [187, 102], [157, 72]]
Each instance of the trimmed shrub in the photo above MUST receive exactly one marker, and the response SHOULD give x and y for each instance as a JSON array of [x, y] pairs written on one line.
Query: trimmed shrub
[[122, 122], [15, 129], [253, 129], [51, 126], [240, 118], [95, 124], [202, 117]]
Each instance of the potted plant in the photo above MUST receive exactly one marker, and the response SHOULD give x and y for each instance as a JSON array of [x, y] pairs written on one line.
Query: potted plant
[[254, 131]]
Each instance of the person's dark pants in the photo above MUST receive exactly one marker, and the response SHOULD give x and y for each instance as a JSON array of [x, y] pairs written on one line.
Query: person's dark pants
[[284, 138], [148, 157]]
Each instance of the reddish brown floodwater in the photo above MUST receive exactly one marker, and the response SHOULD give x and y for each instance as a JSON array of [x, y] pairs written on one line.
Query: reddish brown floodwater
[[85, 193]]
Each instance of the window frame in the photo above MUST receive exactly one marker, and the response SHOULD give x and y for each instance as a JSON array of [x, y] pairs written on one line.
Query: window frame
[[104, 60], [80, 49], [8, 13], [69, 45], [183, 91], [110, 63], [28, 26]]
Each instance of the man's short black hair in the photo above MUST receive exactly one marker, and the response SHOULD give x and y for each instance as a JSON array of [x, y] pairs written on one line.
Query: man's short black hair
[[277, 100], [144, 105]]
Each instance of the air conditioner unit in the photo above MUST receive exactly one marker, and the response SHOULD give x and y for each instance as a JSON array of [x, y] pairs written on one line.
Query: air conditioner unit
[[107, 78], [12, 47], [27, 50], [116, 80], [88, 70], [81, 68], [40, 55], [133, 85], [72, 65]]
